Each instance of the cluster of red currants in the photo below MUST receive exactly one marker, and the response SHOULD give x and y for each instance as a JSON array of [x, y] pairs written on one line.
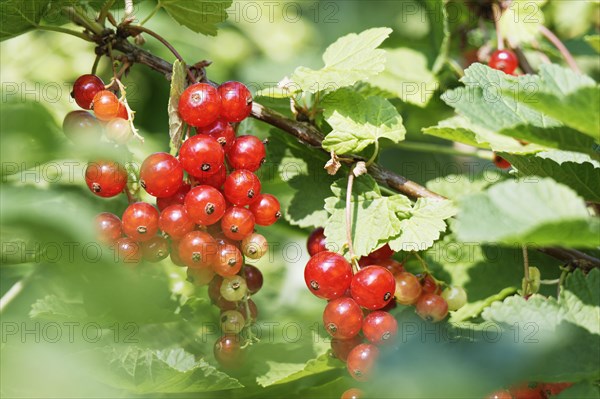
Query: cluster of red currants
[[360, 301], [531, 390]]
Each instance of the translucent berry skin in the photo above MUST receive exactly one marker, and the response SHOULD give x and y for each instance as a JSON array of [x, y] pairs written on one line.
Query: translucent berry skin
[[408, 288], [198, 249], [140, 221], [214, 293], [174, 255], [200, 277], [233, 288], [352, 393], [501, 394], [175, 199], [504, 60], [108, 228], [254, 278], [342, 318], [384, 252], [119, 131], [175, 221], [215, 180], [229, 260], [242, 187], [255, 246], [105, 178], [122, 112], [340, 348], [316, 241], [237, 223], [429, 285], [201, 156], [82, 127], [456, 297], [155, 249], [328, 275], [236, 101], [106, 105], [361, 361], [432, 307], [85, 88], [373, 287], [199, 105], [205, 205], [380, 327], [501, 163], [161, 175], [266, 209], [128, 251], [392, 265], [221, 131], [527, 391], [250, 313], [248, 152], [227, 351], [232, 322]]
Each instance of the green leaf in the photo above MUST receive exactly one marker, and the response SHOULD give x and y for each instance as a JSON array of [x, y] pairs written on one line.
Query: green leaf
[[20, 16], [358, 122], [521, 21], [283, 373], [53, 308], [580, 296], [575, 170], [521, 213], [571, 19], [457, 186], [406, 76], [583, 390], [307, 210], [593, 41], [440, 31], [201, 16], [178, 80]]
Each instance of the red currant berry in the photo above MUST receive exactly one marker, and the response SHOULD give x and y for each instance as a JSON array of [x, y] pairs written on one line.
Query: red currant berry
[[242, 187], [119, 130], [432, 307], [140, 221], [161, 175], [82, 127], [214, 293], [106, 105], [382, 253], [328, 275], [343, 318], [430, 286], [122, 112], [175, 199], [249, 314], [232, 322], [408, 288], [501, 163], [201, 156], [316, 241], [266, 209], [361, 361], [501, 394], [176, 222], [228, 352], [198, 249], [199, 105], [106, 178], [373, 287], [456, 297], [504, 60], [255, 246], [392, 265], [108, 228], [215, 180], [380, 327], [85, 88], [221, 131], [205, 205], [237, 223], [229, 260], [254, 278], [248, 152], [155, 249], [128, 251], [174, 255], [553, 389], [200, 277], [352, 393], [340, 348], [530, 390], [236, 101]]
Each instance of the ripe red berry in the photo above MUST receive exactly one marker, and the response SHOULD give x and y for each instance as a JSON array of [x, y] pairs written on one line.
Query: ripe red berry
[[200, 276], [175, 199], [140, 221], [552, 389], [342, 318], [392, 265], [119, 130], [82, 127], [198, 249], [527, 391], [384, 252], [242, 187], [108, 228], [155, 249], [237, 223], [105, 178], [408, 288], [221, 131], [174, 255], [266, 209], [432, 307], [236, 101], [248, 152], [229, 260], [106, 105], [199, 105], [501, 163], [361, 361], [228, 352], [127, 250], [504, 60], [215, 180], [373, 287], [352, 393], [340, 348], [380, 327], [201, 156], [85, 88], [430, 286], [316, 241], [501, 394], [161, 175], [122, 112], [205, 205], [328, 275], [254, 278], [175, 221]]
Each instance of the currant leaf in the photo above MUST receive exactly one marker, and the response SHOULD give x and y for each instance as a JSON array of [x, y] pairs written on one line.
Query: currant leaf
[[200, 16], [522, 19], [178, 79], [283, 373]]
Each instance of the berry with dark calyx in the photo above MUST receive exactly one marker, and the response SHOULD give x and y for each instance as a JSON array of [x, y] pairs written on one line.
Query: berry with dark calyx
[[456, 297], [342, 318], [140, 221], [432, 307], [221, 131], [380, 327], [504, 60], [501, 163], [108, 228], [106, 105], [215, 180], [155, 249], [205, 205], [161, 175], [501, 394], [106, 178], [408, 288], [175, 221], [429, 285], [237, 223], [254, 278], [392, 265], [236, 101], [198, 249], [82, 127], [85, 88], [228, 352], [384, 252], [255, 246], [266, 209], [175, 199], [340, 348], [229, 260], [199, 105], [373, 287], [248, 152], [201, 156], [128, 251], [242, 187], [119, 131], [361, 361], [200, 277], [328, 275], [352, 393], [316, 241], [232, 322], [233, 288]]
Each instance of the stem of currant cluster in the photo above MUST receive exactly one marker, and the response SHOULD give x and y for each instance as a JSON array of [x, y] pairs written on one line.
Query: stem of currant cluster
[[353, 260], [499, 37], [526, 268], [548, 34]]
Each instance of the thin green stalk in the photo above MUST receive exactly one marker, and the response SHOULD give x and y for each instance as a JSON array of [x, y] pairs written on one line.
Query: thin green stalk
[[71, 32], [434, 148], [104, 12], [152, 13], [375, 153]]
